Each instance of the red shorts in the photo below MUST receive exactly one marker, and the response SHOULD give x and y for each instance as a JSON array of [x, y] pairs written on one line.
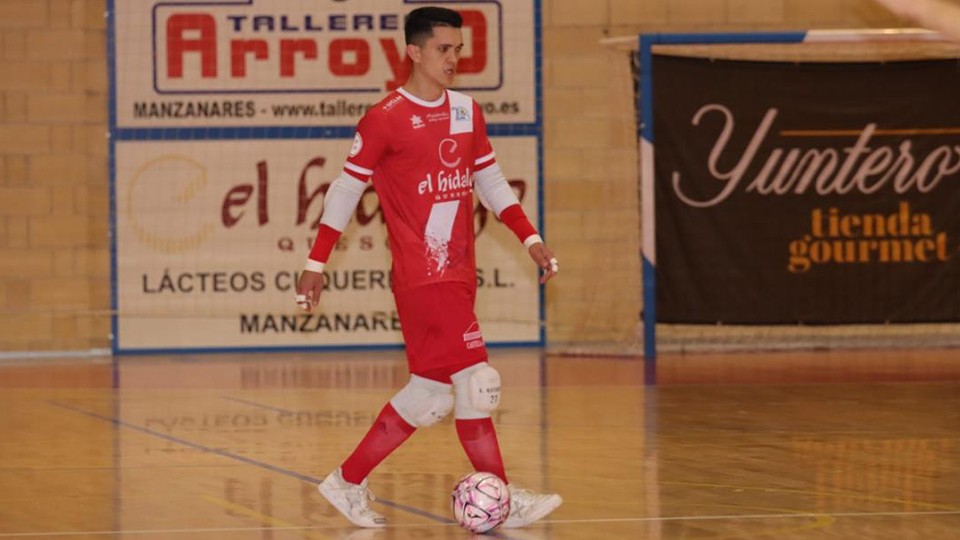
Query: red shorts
[[440, 329]]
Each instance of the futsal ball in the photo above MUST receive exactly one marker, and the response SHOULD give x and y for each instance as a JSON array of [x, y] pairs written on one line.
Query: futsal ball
[[481, 502]]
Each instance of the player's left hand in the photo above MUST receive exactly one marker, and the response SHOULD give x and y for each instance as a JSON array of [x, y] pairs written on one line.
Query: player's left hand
[[545, 260]]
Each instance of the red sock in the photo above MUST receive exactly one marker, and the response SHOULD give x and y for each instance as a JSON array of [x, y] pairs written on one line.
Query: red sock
[[479, 440], [387, 433]]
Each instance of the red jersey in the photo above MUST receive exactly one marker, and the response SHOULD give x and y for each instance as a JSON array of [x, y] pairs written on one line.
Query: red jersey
[[421, 156]]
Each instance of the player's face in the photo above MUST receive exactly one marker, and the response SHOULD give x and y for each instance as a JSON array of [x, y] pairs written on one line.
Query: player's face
[[440, 54]]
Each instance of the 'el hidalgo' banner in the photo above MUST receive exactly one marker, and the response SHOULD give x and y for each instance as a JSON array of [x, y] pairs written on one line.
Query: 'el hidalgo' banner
[[807, 192], [231, 118]]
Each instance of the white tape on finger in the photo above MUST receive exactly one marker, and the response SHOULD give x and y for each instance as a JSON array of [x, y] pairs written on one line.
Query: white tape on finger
[[554, 265]]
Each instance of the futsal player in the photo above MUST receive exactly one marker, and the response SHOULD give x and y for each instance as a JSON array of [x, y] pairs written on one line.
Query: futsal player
[[425, 147]]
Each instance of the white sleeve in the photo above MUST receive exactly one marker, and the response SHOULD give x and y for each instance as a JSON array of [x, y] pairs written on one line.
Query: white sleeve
[[493, 189], [341, 201]]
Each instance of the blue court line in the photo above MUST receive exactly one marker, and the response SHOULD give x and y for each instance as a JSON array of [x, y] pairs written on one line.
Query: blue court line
[[242, 459]]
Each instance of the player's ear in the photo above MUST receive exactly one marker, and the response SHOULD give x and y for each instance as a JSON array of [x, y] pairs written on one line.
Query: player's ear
[[414, 53]]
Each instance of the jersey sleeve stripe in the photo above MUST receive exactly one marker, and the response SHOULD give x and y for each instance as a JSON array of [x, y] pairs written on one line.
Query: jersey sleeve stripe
[[484, 159], [357, 169]]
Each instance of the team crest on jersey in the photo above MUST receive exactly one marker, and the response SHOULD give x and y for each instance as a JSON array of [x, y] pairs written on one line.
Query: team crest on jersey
[[461, 113], [416, 122], [357, 145]]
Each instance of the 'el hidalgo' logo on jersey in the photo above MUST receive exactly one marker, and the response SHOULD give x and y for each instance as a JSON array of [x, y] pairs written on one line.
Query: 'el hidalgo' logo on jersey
[[448, 150], [448, 184]]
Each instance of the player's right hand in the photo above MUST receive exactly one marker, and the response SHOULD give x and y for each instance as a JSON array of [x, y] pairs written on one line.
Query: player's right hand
[[309, 287], [544, 258]]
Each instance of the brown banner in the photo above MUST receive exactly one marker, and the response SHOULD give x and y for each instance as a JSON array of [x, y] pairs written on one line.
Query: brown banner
[[807, 192]]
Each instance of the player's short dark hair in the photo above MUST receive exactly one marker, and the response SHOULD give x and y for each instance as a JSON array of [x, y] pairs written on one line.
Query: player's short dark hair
[[419, 24]]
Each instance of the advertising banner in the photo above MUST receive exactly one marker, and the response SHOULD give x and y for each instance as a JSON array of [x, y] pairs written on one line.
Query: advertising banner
[[304, 62], [815, 193], [230, 121], [213, 234]]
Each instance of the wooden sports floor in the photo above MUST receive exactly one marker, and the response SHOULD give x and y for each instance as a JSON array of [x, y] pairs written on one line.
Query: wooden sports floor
[[858, 445]]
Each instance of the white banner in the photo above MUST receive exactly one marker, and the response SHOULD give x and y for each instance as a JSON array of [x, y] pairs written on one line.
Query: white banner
[[211, 234], [303, 62], [219, 187]]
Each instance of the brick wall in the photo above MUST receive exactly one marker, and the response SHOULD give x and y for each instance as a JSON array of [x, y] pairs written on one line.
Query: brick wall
[[54, 247], [54, 257]]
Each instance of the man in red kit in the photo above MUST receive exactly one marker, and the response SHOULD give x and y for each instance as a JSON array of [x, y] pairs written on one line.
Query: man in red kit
[[426, 149]]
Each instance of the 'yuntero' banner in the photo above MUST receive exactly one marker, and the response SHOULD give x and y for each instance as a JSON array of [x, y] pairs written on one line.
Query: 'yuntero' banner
[[814, 193], [232, 117]]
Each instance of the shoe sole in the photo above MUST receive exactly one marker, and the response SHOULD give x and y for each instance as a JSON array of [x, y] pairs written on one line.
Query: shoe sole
[[545, 510]]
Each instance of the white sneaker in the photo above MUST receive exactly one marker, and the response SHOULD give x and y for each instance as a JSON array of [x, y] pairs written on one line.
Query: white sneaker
[[527, 506], [351, 500]]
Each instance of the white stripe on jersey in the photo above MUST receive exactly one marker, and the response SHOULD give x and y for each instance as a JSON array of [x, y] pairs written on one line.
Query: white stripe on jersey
[[357, 169], [439, 232], [484, 159]]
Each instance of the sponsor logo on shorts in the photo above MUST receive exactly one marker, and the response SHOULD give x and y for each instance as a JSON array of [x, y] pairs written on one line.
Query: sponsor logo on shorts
[[473, 338]]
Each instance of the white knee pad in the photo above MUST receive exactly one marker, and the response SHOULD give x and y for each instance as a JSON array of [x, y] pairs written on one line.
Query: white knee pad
[[477, 390], [423, 402]]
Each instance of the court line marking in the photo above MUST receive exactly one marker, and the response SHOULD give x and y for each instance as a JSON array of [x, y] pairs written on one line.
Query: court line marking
[[544, 522], [264, 519], [257, 405], [242, 459], [834, 494], [760, 516], [201, 530]]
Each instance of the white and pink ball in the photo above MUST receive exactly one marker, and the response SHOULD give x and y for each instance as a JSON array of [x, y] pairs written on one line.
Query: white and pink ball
[[481, 502]]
